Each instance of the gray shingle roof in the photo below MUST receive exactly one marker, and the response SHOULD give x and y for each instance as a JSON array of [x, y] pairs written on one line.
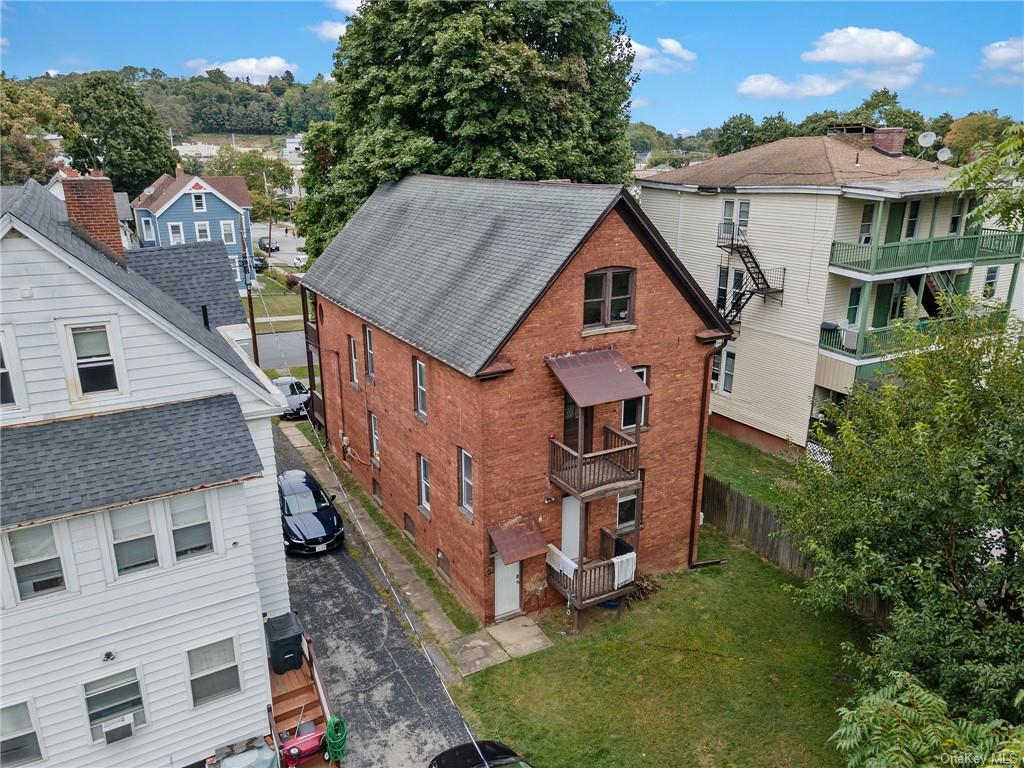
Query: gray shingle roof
[[124, 206], [40, 210], [194, 274], [74, 465], [450, 265]]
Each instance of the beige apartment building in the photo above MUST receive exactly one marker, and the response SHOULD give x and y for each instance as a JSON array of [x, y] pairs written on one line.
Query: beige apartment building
[[813, 248]]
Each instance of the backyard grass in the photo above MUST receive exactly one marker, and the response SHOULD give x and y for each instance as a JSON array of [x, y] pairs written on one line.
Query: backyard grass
[[279, 326], [746, 468], [463, 620], [274, 300], [721, 668], [298, 371]]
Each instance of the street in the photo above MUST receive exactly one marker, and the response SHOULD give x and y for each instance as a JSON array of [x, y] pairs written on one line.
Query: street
[[379, 682], [289, 243]]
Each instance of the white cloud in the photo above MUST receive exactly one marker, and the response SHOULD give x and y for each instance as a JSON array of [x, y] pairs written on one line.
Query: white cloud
[[329, 30], [52, 72], [1004, 61], [4, 42], [767, 86], [860, 45], [257, 69], [640, 103], [669, 57], [893, 78], [345, 6]]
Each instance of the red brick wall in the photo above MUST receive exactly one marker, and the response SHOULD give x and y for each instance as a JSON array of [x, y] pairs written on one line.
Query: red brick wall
[[504, 423], [90, 203], [889, 140]]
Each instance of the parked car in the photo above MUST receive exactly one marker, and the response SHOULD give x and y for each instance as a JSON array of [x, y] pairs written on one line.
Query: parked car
[[468, 756], [259, 263], [308, 518], [268, 245], [295, 393], [300, 260]]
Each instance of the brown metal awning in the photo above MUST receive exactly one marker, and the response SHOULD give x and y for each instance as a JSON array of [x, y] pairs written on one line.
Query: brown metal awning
[[601, 376], [517, 539]]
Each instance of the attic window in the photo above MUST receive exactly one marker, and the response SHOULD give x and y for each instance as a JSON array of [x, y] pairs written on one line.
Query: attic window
[[199, 202], [608, 297]]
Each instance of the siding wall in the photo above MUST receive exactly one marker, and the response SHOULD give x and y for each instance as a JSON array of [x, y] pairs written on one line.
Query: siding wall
[[777, 345]]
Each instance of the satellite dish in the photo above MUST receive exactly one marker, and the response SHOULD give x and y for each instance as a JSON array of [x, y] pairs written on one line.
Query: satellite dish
[[148, 191], [926, 139], [944, 154]]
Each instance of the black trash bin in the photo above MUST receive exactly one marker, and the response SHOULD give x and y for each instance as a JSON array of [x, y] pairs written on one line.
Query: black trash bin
[[284, 638]]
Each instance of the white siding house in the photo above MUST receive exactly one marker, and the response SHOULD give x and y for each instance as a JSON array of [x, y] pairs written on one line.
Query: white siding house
[[141, 547]]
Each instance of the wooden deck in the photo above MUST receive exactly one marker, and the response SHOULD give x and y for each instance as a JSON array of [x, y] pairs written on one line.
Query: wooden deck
[[598, 473], [293, 695]]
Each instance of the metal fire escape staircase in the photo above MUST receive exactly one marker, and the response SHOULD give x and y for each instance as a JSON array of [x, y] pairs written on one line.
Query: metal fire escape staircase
[[766, 283]]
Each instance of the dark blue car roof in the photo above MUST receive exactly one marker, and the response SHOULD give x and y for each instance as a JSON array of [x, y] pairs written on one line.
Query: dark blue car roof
[[296, 481], [467, 756]]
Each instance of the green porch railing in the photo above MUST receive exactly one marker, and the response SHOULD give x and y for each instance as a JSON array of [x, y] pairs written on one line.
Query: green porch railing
[[878, 342], [989, 244]]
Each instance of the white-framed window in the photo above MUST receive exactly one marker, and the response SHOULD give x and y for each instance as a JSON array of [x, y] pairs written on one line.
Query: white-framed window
[[96, 369], [36, 561], [465, 479], [419, 376], [634, 412], [114, 696], [353, 361], [626, 514], [371, 368], [730, 286], [723, 368], [236, 265], [19, 736], [991, 278], [133, 539], [148, 230], [913, 217], [175, 232], [736, 212], [867, 224], [957, 217], [227, 232], [423, 472], [12, 386], [202, 231], [191, 529], [853, 305], [198, 202], [374, 436], [213, 671]]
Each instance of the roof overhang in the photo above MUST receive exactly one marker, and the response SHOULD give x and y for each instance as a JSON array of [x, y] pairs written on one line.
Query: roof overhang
[[898, 189], [600, 376], [517, 539], [705, 189], [196, 185]]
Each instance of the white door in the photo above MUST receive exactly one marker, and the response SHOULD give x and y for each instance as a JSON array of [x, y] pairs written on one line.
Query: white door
[[571, 526], [506, 587]]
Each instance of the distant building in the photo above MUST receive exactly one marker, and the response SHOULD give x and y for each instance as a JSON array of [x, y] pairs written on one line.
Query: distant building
[[201, 150]]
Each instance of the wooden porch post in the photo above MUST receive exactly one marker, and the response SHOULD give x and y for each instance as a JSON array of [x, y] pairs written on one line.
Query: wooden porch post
[[867, 308], [877, 234], [579, 449], [1013, 283]]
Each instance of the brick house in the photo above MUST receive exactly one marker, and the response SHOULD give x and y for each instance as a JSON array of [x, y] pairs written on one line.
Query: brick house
[[475, 338]]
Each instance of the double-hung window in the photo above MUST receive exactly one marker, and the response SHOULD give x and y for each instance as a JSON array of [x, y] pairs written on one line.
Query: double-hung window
[[111, 697], [190, 526], [626, 516], [19, 742], [423, 471], [465, 480], [6, 378], [202, 231], [374, 436], [131, 529], [419, 385], [867, 222], [213, 671], [913, 217], [176, 232], [148, 232], [38, 569], [730, 287], [853, 305], [371, 368], [723, 367], [198, 202], [957, 217], [737, 214], [991, 278], [227, 232], [94, 361], [634, 412], [608, 297], [353, 361]]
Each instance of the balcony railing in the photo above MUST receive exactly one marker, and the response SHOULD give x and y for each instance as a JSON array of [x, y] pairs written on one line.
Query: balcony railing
[[618, 462], [990, 244], [593, 583], [890, 340]]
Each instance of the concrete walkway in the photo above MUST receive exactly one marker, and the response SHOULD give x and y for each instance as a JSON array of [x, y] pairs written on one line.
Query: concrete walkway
[[469, 653]]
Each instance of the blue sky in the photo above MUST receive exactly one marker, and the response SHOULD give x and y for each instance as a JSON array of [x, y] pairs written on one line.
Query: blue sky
[[699, 62]]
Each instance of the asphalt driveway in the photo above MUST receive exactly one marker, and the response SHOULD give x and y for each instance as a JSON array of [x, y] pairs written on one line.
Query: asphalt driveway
[[378, 680]]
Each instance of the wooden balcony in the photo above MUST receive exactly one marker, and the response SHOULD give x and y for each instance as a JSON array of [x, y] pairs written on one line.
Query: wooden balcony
[[990, 245], [594, 581], [598, 473]]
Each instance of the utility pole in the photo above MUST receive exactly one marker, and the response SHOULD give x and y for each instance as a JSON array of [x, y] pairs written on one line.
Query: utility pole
[[270, 212], [249, 273]]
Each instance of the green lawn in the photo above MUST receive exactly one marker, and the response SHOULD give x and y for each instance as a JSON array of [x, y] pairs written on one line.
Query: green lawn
[[720, 668], [747, 468], [264, 140]]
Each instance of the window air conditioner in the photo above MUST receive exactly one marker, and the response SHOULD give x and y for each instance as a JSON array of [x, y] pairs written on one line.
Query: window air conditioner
[[850, 337], [714, 386], [119, 728]]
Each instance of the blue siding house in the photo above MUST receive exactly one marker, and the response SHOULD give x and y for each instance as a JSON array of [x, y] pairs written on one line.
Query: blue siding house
[[193, 209]]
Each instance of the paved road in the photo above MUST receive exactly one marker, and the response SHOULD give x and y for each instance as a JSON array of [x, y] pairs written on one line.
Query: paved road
[[289, 243], [281, 350], [397, 713]]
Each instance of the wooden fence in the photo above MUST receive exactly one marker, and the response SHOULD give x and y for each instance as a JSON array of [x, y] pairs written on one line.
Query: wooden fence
[[755, 524]]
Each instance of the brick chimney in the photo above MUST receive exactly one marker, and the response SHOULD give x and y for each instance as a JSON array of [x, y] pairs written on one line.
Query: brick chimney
[[179, 171], [90, 204], [889, 140]]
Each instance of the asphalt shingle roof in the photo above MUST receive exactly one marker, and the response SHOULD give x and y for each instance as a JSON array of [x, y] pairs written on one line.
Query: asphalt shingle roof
[[167, 186], [450, 265], [195, 274], [40, 210], [73, 465]]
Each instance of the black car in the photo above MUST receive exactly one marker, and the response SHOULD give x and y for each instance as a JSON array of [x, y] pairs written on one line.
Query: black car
[[259, 263], [468, 756], [267, 245], [308, 518]]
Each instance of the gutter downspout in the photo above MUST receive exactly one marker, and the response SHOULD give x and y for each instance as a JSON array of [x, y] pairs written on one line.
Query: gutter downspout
[[717, 345]]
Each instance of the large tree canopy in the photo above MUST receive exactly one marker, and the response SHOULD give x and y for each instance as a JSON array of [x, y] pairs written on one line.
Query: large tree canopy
[[997, 176], [119, 133], [922, 502], [26, 113], [518, 89], [265, 177]]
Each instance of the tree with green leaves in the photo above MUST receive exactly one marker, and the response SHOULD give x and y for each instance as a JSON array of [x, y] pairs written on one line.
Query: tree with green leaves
[[737, 133], [968, 132], [265, 177], [997, 177], [26, 113], [922, 503], [119, 133], [883, 108], [515, 89], [774, 127]]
